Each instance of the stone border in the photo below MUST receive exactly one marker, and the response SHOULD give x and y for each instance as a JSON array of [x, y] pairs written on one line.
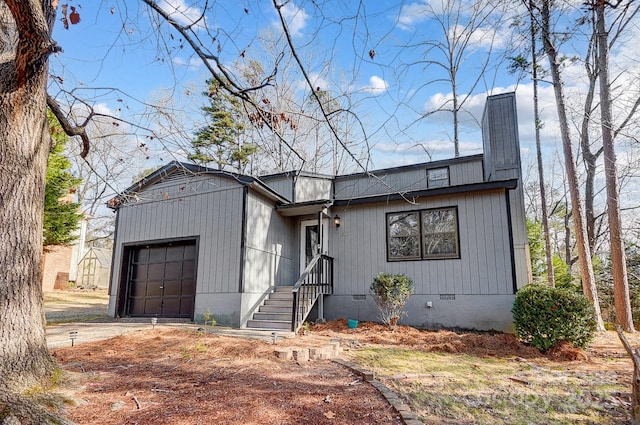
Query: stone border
[[408, 417]]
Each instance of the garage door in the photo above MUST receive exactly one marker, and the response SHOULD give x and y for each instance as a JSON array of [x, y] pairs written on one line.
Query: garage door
[[161, 280]]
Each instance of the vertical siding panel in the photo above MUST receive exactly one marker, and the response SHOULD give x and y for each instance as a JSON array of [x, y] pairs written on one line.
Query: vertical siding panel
[[502, 240], [213, 267], [232, 282], [468, 249], [364, 264], [471, 259], [230, 278], [496, 254], [140, 231], [164, 215], [461, 265], [502, 253], [504, 285], [221, 284], [364, 234], [482, 248], [491, 247], [353, 251], [206, 265]]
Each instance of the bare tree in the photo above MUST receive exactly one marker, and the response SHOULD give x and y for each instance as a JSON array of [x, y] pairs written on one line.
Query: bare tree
[[462, 53], [108, 166], [584, 253], [590, 126], [619, 268]]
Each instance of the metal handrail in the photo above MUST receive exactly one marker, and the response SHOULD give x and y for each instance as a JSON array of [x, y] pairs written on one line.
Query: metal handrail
[[315, 280]]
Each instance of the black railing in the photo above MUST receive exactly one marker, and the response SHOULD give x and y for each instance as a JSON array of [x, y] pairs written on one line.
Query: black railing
[[316, 280]]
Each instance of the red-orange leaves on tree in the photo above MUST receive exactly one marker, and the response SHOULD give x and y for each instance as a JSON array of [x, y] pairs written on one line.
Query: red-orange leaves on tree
[[73, 17]]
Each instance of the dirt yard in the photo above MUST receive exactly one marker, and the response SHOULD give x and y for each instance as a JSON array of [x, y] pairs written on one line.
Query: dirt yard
[[177, 376]]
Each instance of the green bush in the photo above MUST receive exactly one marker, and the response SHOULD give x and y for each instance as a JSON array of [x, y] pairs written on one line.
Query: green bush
[[390, 293], [544, 316]]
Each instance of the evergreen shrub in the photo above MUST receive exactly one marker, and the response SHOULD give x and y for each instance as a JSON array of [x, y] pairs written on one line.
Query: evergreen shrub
[[390, 293], [544, 316]]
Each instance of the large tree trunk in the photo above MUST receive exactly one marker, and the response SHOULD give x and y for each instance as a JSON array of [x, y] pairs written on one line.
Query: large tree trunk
[[618, 260], [584, 254], [24, 146]]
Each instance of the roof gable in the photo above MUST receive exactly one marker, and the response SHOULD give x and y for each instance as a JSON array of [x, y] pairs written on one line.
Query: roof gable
[[177, 171]]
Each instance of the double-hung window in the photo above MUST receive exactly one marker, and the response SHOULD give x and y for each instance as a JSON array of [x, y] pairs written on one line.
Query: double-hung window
[[425, 234]]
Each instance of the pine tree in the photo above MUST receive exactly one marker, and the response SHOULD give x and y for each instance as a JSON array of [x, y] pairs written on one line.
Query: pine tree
[[219, 141], [61, 217]]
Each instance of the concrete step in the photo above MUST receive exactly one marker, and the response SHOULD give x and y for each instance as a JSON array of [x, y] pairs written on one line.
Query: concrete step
[[280, 303], [269, 324], [275, 309], [284, 288], [272, 316], [281, 295]]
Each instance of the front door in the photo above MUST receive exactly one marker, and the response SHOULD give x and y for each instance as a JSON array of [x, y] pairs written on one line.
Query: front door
[[313, 240]]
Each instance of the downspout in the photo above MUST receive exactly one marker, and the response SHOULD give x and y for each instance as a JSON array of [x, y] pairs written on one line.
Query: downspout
[[511, 244]]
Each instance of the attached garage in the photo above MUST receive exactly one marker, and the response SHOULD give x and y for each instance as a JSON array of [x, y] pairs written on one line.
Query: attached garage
[[159, 279]]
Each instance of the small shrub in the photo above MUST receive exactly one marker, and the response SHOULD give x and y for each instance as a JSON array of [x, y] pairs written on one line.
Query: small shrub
[[390, 293], [544, 316], [207, 317]]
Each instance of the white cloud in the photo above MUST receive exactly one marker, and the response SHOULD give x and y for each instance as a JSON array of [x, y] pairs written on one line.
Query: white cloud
[[295, 17], [412, 14], [317, 82], [392, 154], [377, 86], [181, 12], [192, 64], [482, 37]]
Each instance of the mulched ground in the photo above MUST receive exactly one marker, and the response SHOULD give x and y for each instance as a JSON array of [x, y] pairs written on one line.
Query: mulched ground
[[165, 376], [177, 376]]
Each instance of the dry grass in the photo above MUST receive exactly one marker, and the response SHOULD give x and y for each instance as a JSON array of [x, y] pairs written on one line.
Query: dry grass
[[445, 388], [73, 306]]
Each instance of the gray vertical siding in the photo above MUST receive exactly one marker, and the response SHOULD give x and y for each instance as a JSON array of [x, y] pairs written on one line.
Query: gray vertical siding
[[520, 238], [502, 161], [281, 185], [202, 206], [270, 247], [312, 188], [500, 137], [466, 172], [359, 247], [405, 179]]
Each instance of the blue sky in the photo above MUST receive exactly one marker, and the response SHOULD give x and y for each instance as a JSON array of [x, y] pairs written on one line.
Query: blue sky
[[390, 91], [339, 55]]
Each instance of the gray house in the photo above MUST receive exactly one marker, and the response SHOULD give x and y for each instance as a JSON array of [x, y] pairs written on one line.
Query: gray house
[[274, 251]]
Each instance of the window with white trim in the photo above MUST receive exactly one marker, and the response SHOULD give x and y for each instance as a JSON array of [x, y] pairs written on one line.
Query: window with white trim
[[425, 234]]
